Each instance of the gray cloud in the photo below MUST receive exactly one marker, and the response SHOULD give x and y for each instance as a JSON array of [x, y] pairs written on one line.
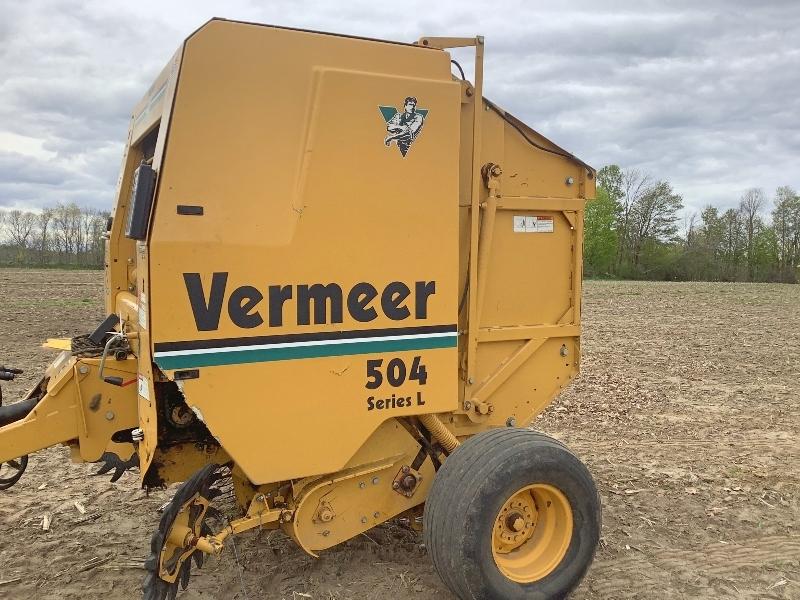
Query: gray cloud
[[703, 94]]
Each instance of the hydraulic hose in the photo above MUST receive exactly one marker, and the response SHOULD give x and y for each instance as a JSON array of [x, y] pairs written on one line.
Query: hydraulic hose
[[12, 413]]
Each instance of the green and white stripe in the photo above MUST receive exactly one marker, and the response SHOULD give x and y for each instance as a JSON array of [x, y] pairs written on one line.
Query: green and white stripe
[[207, 353]]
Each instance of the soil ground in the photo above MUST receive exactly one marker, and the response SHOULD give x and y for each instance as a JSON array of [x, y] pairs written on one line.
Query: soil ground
[[687, 413]]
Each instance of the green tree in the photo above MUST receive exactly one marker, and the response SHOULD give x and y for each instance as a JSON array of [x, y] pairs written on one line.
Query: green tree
[[765, 255], [786, 223], [733, 245], [709, 247], [654, 218], [600, 238], [610, 178], [750, 206]]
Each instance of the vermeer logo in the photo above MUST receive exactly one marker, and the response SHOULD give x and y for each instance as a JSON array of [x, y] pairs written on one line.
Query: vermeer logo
[[403, 126], [325, 303]]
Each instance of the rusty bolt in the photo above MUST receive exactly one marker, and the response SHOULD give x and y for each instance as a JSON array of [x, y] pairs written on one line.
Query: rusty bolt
[[496, 171], [362, 485], [467, 405], [396, 485], [511, 422], [326, 515], [406, 469], [409, 481], [364, 520], [286, 517], [326, 533], [470, 92], [376, 514]]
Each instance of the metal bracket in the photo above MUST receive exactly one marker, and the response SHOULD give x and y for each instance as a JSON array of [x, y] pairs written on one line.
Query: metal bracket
[[443, 43], [406, 481]]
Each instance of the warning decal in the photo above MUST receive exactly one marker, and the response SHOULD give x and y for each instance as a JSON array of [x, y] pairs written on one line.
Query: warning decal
[[144, 387], [143, 310], [533, 224]]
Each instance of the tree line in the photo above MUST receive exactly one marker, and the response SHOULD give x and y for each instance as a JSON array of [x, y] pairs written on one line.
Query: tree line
[[62, 236], [633, 230]]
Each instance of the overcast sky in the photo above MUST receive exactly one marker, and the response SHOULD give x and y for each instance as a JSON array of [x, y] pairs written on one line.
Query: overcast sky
[[705, 94]]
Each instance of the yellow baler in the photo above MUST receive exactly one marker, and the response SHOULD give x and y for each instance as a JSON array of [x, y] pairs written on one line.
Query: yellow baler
[[341, 283]]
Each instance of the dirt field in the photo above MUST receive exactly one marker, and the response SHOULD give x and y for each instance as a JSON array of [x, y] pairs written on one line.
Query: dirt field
[[687, 413]]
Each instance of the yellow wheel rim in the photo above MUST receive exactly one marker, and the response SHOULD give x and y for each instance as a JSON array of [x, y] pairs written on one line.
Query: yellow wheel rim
[[532, 533]]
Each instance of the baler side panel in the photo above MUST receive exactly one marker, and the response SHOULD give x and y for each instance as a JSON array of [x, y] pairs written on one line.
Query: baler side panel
[[529, 324], [280, 138]]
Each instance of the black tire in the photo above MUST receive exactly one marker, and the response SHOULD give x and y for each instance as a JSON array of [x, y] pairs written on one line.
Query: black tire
[[13, 473], [472, 487]]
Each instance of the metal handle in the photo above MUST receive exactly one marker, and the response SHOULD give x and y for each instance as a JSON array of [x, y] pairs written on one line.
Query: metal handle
[[116, 336]]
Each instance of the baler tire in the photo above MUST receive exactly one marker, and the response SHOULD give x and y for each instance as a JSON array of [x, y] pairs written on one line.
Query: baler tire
[[465, 509], [434, 526]]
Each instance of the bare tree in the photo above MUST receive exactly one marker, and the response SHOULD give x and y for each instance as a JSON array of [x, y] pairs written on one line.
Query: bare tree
[[67, 222], [690, 229], [750, 207], [43, 222], [20, 227], [98, 247], [733, 243], [62, 235], [634, 186], [88, 218]]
